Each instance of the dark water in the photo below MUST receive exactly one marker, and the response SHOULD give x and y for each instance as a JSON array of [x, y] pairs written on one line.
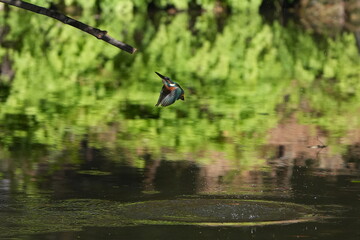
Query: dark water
[[271, 112], [334, 193]]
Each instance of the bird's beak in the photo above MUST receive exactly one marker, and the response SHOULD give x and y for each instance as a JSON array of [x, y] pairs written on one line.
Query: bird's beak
[[163, 77]]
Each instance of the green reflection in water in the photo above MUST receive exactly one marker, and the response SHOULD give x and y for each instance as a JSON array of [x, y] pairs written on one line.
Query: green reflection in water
[[39, 215], [240, 81], [127, 6]]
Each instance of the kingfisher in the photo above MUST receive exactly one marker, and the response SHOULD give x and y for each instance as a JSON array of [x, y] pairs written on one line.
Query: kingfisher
[[170, 92]]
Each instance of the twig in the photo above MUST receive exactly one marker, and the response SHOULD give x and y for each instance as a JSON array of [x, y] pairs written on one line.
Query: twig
[[99, 34]]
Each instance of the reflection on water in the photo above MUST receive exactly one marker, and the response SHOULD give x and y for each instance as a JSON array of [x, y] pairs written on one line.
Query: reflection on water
[[77, 121]]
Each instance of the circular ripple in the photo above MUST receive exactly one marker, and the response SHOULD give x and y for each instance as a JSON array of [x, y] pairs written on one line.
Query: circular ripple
[[216, 212]]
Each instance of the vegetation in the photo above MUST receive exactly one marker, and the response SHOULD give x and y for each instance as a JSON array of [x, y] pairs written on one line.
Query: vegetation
[[128, 5], [236, 72]]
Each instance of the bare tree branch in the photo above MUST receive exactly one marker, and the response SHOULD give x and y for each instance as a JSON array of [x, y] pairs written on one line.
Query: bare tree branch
[[99, 34]]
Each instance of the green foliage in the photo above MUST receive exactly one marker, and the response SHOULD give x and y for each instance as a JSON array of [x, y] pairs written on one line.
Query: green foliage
[[120, 6], [68, 84]]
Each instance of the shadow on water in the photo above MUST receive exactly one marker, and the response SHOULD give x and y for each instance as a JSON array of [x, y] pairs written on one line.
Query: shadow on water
[[270, 115]]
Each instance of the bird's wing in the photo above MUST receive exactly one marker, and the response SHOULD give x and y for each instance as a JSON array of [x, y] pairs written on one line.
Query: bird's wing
[[171, 97], [164, 91]]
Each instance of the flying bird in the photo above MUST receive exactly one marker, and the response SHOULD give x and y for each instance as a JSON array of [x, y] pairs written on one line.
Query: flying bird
[[170, 92]]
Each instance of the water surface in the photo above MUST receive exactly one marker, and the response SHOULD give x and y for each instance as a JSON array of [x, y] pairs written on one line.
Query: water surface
[[271, 113]]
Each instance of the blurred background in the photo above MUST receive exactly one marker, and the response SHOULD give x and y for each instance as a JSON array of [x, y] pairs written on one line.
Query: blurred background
[[271, 110]]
